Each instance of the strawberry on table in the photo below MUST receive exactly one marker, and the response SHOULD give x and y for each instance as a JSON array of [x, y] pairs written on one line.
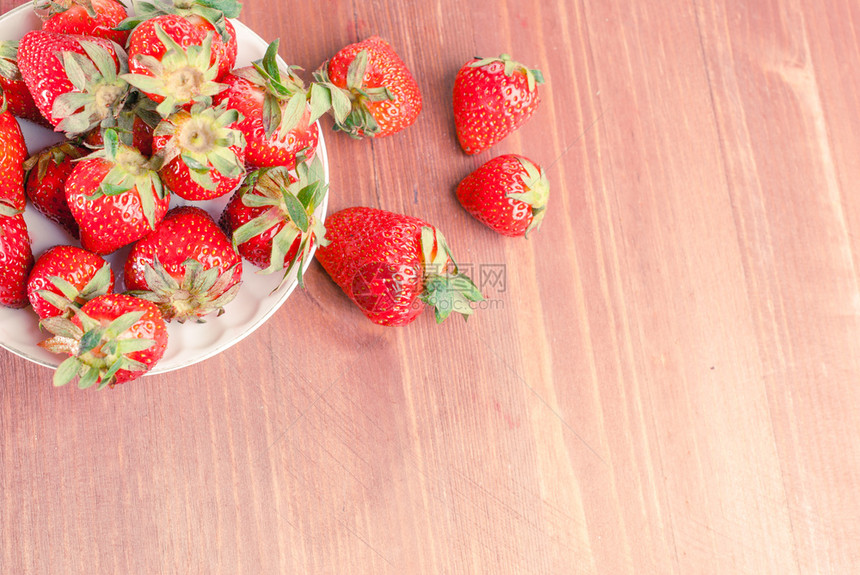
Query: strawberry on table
[[279, 123], [16, 257], [83, 17], [508, 193], [65, 277], [45, 182], [204, 153], [13, 153], [392, 265], [271, 217], [492, 98], [112, 339], [116, 196], [372, 91], [74, 79], [187, 266], [18, 97]]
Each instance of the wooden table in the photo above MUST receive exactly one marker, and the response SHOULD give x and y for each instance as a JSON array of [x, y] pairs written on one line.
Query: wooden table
[[664, 379]]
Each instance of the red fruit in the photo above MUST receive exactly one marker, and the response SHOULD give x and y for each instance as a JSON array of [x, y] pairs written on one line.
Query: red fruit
[[391, 265], [279, 124], [18, 98], [116, 196], [186, 266], [508, 194], [80, 99], [67, 277], [492, 98], [378, 95], [271, 217], [112, 339], [16, 257], [203, 152], [13, 152], [45, 182], [83, 18]]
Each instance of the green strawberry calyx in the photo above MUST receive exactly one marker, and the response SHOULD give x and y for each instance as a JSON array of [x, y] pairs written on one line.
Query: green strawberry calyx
[[96, 351], [536, 195], [99, 90], [446, 289], [213, 11], [47, 8], [199, 292], [9, 60], [71, 297], [130, 170], [509, 66], [181, 76], [204, 140], [289, 201], [8, 211], [349, 105]]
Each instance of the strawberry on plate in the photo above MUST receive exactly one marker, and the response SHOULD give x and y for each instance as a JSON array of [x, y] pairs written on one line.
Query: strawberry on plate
[[83, 17], [74, 80], [508, 193], [115, 196], [492, 98], [18, 97], [65, 277], [45, 182], [204, 153], [372, 91], [271, 217], [392, 265], [13, 153], [186, 266], [112, 339], [16, 257], [279, 123]]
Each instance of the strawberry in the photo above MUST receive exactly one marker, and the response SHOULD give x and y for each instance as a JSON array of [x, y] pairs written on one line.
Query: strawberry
[[508, 194], [391, 265], [279, 122], [492, 98], [172, 64], [74, 79], [13, 152], [45, 182], [112, 339], [271, 217], [83, 18], [116, 196], [372, 91], [16, 257], [66, 277], [186, 266], [203, 152], [18, 97], [134, 124]]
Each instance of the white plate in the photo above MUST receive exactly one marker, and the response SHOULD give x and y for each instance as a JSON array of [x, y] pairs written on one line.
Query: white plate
[[188, 343]]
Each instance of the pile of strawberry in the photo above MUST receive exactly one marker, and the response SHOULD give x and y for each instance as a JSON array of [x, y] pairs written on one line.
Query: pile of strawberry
[[152, 106]]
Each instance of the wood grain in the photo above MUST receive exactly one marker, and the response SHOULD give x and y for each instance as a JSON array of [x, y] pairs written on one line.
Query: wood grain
[[664, 378]]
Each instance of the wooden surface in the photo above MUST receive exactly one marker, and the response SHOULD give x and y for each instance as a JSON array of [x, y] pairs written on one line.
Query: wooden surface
[[665, 378]]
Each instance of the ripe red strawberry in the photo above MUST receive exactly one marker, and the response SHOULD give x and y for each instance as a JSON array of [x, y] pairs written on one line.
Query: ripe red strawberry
[[278, 122], [116, 196], [186, 266], [112, 339], [492, 98], [65, 277], [74, 79], [271, 217], [16, 257], [508, 194], [45, 182], [13, 152], [203, 152], [372, 91], [391, 265], [18, 97], [83, 17]]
